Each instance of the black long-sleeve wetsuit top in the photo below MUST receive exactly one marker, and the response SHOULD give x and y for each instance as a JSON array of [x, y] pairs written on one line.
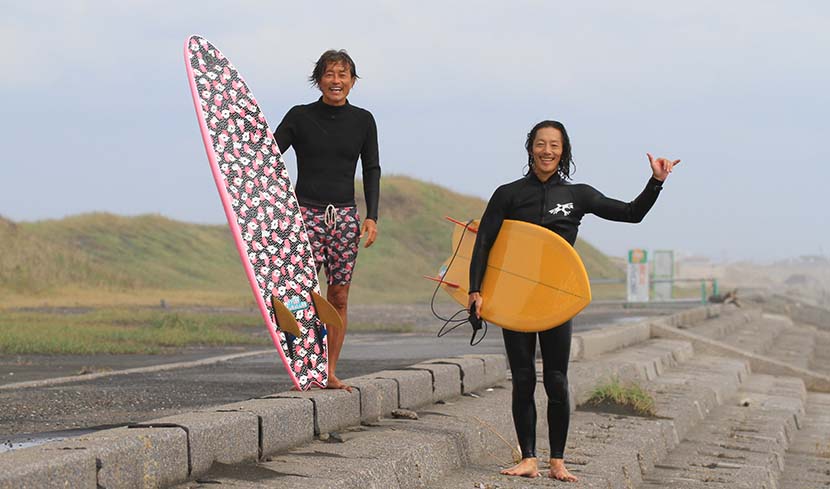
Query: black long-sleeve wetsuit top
[[556, 205], [328, 140]]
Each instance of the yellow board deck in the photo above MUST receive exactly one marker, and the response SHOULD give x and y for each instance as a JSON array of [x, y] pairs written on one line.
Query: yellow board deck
[[534, 281]]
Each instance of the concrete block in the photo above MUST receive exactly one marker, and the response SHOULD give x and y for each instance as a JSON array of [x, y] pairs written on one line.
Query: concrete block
[[134, 457], [653, 357], [472, 372], [808, 313], [378, 458], [334, 409], [446, 380], [414, 387], [576, 348], [758, 363], [224, 437], [378, 397], [283, 423], [694, 316], [595, 343], [495, 367], [42, 468]]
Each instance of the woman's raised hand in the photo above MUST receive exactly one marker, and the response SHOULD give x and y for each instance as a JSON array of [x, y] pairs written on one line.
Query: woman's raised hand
[[661, 167]]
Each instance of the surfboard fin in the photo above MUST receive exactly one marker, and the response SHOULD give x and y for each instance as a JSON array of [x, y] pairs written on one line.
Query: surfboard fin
[[442, 281], [285, 318], [467, 225], [325, 311]]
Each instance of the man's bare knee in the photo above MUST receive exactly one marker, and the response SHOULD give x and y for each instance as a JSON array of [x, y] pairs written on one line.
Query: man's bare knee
[[338, 296]]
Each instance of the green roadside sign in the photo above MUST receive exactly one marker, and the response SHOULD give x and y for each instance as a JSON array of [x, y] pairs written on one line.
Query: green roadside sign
[[637, 256]]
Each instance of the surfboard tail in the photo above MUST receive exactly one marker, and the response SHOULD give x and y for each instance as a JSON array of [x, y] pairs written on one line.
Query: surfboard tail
[[469, 225], [442, 281]]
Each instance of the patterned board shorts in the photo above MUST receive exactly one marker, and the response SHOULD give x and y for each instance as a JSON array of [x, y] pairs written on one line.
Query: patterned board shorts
[[334, 235]]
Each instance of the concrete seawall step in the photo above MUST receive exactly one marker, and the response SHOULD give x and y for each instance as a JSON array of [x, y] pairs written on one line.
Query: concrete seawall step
[[167, 451], [759, 362], [770, 335], [741, 444], [821, 354], [729, 320], [807, 461], [799, 310], [757, 333], [612, 451], [238, 439], [391, 453], [795, 345], [447, 436]]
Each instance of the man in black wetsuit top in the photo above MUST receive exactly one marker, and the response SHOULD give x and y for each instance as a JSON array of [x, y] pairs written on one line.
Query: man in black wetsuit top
[[328, 137]]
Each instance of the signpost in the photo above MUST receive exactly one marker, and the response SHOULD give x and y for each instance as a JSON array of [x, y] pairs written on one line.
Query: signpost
[[662, 274], [637, 277]]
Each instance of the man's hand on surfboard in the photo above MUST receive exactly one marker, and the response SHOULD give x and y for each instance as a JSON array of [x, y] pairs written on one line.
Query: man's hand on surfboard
[[661, 167], [475, 297], [370, 231]]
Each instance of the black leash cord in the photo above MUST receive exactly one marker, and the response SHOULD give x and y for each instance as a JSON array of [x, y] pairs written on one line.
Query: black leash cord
[[454, 318]]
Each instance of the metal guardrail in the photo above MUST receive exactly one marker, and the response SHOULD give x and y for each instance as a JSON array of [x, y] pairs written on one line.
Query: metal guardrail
[[704, 288]]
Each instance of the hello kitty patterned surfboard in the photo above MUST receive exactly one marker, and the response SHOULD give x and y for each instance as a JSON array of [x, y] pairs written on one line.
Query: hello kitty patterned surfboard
[[262, 210]]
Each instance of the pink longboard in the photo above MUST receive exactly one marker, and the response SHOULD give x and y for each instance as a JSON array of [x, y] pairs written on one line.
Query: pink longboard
[[262, 211]]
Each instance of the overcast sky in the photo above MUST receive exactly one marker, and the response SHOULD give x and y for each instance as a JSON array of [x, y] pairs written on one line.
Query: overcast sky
[[97, 114]]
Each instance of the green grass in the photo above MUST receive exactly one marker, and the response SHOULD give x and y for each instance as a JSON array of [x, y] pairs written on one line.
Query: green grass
[[122, 331], [109, 252], [628, 397]]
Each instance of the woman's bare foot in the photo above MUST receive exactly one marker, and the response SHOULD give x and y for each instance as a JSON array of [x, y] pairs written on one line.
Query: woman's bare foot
[[335, 383], [559, 472], [526, 468]]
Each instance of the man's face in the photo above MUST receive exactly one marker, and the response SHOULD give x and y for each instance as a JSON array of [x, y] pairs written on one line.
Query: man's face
[[336, 83]]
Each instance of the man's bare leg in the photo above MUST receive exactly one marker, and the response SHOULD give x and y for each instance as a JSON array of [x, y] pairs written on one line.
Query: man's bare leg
[[528, 467], [559, 472], [338, 296]]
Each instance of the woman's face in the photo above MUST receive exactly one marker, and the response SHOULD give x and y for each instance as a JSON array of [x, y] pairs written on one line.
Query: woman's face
[[336, 83], [547, 150]]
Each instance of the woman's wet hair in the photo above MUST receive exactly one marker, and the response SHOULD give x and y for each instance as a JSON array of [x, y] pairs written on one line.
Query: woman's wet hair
[[331, 56], [566, 162]]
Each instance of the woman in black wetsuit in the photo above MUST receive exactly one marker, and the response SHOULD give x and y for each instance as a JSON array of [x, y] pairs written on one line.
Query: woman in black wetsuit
[[545, 198]]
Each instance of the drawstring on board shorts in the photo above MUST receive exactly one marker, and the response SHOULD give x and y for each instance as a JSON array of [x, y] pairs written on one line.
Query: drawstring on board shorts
[[331, 216]]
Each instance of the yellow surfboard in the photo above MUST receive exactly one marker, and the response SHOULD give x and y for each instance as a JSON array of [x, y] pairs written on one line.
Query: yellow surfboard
[[534, 281]]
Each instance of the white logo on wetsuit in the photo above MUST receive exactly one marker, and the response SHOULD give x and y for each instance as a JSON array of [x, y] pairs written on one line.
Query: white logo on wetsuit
[[564, 208]]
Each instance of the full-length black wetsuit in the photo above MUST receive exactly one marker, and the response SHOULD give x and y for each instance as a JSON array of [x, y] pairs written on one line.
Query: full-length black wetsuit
[[558, 206]]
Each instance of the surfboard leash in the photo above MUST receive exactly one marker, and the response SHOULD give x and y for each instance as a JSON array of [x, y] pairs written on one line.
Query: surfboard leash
[[476, 322]]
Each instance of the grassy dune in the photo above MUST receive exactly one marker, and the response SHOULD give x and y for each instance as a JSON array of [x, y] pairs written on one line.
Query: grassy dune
[[122, 331], [102, 259]]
